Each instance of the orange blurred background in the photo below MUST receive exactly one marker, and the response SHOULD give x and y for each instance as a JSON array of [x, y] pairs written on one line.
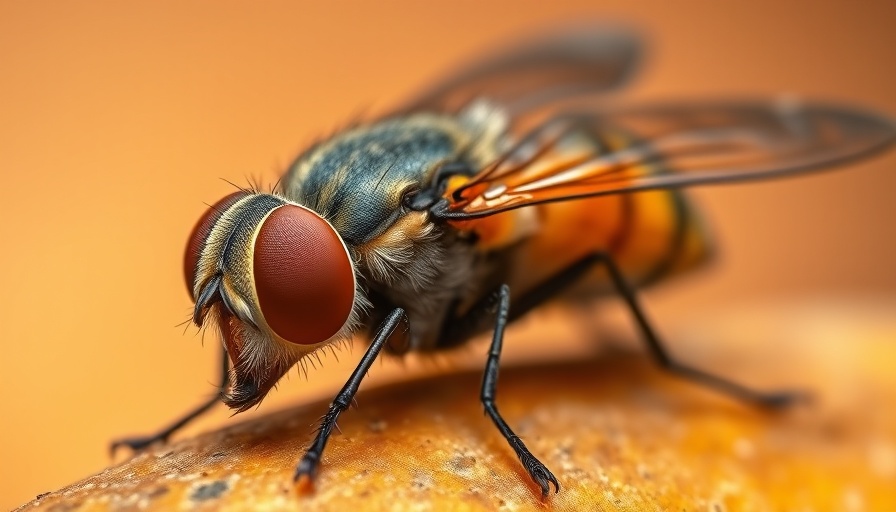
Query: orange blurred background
[[120, 119]]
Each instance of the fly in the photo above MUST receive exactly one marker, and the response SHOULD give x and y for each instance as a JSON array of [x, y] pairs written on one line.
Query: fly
[[504, 187]]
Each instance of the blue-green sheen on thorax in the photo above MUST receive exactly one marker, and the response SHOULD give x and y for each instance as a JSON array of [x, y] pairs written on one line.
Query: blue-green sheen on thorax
[[356, 180]]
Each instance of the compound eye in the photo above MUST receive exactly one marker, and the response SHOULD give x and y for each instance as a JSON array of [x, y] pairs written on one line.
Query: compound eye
[[303, 276], [200, 234]]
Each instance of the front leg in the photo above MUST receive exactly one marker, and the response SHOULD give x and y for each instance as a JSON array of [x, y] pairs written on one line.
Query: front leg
[[536, 469], [307, 467], [139, 443]]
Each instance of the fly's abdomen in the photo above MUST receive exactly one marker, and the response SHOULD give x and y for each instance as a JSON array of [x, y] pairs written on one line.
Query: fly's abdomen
[[651, 235]]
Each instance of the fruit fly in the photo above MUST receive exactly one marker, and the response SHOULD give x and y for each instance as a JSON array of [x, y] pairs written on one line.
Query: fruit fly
[[512, 184]]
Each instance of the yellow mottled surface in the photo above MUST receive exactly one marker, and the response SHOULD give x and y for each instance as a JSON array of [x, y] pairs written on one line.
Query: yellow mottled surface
[[618, 434]]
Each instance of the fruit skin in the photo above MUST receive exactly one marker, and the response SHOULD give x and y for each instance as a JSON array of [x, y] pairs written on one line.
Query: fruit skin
[[619, 433]]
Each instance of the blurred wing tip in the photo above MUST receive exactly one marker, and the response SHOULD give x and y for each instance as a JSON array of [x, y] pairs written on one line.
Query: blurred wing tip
[[561, 62], [787, 103]]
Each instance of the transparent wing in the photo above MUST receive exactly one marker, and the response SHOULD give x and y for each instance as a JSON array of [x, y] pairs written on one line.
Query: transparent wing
[[667, 146], [577, 61]]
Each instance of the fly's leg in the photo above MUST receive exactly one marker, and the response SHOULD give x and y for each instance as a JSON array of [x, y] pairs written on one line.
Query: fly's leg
[[139, 443], [571, 274], [459, 328], [536, 469], [307, 467], [662, 357], [563, 279]]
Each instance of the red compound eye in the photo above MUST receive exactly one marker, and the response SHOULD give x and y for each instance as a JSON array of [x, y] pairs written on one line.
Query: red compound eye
[[200, 233], [303, 276]]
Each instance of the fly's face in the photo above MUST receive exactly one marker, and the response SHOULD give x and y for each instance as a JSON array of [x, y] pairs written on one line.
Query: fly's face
[[279, 274], [277, 280]]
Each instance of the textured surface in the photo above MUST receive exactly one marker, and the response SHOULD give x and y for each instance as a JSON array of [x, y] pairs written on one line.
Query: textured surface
[[618, 434]]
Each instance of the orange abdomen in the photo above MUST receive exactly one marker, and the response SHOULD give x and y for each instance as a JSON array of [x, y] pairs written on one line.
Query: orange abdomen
[[650, 235]]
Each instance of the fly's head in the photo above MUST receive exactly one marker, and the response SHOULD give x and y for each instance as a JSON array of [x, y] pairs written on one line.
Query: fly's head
[[278, 282]]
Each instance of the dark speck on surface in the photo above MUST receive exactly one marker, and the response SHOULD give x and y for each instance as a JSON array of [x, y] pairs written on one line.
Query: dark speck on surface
[[210, 491], [461, 462], [158, 491]]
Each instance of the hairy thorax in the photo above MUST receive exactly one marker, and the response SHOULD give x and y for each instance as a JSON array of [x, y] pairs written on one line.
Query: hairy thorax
[[421, 267]]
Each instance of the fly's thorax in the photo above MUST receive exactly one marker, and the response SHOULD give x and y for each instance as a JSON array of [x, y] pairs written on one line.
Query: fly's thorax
[[404, 251], [357, 179], [425, 269], [279, 282]]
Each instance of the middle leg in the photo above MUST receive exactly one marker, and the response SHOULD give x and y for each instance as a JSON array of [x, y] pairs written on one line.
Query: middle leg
[[536, 469]]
